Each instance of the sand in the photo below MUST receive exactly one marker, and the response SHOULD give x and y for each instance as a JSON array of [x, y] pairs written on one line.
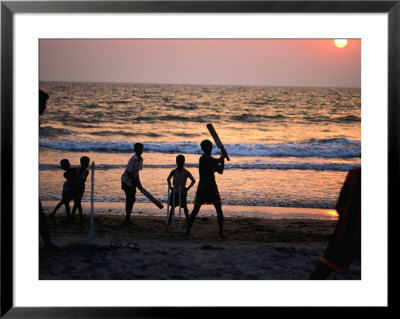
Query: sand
[[253, 249]]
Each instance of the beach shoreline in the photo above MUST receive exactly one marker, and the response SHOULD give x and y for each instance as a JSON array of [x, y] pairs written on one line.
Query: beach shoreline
[[148, 209], [254, 249]]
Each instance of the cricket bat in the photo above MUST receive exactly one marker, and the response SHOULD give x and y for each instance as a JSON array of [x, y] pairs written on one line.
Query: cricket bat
[[217, 140], [150, 197]]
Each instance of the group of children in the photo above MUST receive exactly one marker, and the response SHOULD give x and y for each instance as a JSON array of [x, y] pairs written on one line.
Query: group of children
[[207, 190], [73, 188]]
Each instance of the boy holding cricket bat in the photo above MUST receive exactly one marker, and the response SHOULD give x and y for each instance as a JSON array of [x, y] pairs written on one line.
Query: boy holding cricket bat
[[130, 180], [207, 189]]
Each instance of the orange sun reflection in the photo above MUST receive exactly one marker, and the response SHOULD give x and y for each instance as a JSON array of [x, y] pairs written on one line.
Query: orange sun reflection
[[333, 213]]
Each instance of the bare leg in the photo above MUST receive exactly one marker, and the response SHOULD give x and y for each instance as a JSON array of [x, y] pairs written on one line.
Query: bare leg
[[68, 212], [130, 200], [186, 211], [77, 206], [218, 208], [51, 216], [192, 217]]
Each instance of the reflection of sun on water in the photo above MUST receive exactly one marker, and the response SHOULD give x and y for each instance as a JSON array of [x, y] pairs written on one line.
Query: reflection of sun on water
[[333, 213]]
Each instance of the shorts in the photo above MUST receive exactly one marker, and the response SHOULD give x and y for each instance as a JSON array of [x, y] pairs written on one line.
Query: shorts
[[130, 191], [68, 195], [78, 194], [208, 199], [183, 199]]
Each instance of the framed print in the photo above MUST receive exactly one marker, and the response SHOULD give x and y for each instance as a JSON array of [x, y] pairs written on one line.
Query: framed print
[[264, 109]]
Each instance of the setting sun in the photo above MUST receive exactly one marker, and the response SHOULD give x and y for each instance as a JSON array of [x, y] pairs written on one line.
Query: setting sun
[[340, 43]]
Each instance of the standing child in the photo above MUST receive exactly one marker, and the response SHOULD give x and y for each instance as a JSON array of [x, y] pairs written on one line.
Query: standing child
[[180, 176], [130, 180], [207, 189], [68, 189], [82, 173]]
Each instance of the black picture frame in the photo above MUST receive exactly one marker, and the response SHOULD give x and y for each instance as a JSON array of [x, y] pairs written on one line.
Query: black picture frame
[[9, 8]]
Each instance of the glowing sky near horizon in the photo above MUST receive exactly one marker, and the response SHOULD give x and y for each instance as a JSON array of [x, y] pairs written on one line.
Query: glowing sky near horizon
[[264, 62]]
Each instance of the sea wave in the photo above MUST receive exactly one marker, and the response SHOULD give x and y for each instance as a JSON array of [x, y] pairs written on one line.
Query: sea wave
[[324, 148], [261, 165]]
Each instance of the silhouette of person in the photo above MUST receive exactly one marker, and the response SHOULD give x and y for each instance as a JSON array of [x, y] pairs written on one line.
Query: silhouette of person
[[82, 174], [69, 189], [346, 242], [43, 97], [43, 228], [130, 180], [179, 178], [207, 189]]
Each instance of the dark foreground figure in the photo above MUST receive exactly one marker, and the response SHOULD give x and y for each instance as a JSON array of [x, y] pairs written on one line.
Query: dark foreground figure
[[346, 242], [43, 229]]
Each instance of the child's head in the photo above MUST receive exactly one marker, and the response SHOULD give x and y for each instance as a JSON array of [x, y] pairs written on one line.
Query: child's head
[[64, 163], [206, 146], [85, 161], [138, 147], [180, 161]]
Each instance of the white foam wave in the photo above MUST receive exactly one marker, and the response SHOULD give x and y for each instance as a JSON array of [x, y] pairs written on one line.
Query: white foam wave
[[325, 148]]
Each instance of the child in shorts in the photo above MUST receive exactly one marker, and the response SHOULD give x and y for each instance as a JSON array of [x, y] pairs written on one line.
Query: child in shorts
[[68, 189], [207, 189], [130, 180], [179, 178], [82, 173]]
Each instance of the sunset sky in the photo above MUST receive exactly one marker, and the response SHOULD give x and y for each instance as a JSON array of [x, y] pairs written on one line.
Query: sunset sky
[[220, 62]]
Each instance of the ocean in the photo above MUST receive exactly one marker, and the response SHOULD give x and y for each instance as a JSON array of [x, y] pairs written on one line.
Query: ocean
[[288, 147]]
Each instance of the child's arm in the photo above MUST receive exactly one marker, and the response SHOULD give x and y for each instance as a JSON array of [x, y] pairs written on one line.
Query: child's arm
[[85, 177], [221, 164], [193, 181], [169, 177], [135, 178], [138, 183], [67, 175], [220, 168], [223, 156]]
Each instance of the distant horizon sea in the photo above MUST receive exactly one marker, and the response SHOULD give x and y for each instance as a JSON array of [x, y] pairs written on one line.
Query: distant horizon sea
[[288, 146]]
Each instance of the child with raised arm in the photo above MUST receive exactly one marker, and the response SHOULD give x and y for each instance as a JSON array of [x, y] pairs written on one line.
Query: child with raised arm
[[179, 178], [207, 189], [130, 180], [82, 174], [68, 189]]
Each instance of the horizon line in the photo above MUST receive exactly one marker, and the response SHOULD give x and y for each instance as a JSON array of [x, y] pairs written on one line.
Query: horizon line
[[192, 84]]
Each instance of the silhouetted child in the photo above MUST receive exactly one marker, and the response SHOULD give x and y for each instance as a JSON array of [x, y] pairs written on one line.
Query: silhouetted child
[[130, 180], [82, 174], [346, 242], [68, 189], [207, 190], [180, 176]]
